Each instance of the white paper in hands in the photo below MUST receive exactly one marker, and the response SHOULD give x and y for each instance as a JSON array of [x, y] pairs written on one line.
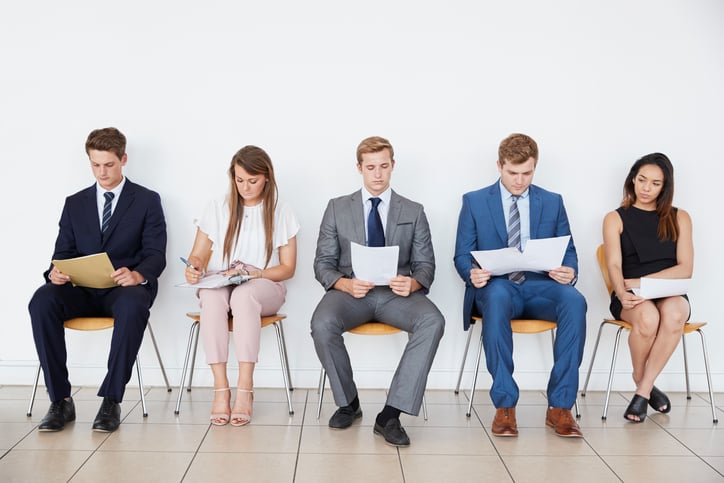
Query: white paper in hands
[[216, 280], [654, 288], [375, 264], [543, 254]]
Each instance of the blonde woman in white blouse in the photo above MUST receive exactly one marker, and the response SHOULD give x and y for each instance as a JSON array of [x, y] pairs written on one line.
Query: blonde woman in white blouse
[[250, 232]]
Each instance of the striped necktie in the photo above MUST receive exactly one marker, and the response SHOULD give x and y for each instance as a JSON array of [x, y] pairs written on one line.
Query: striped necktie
[[514, 237], [107, 210]]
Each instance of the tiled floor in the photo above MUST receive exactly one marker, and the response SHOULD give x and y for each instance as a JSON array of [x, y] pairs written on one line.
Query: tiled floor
[[682, 446]]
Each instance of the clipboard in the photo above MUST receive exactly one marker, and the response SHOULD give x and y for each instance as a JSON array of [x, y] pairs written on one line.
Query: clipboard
[[92, 271]]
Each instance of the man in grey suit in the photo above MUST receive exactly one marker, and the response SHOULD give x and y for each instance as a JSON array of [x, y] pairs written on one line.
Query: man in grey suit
[[376, 216]]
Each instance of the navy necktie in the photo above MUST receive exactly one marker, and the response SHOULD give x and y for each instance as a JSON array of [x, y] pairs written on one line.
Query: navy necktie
[[375, 232], [107, 210], [514, 237]]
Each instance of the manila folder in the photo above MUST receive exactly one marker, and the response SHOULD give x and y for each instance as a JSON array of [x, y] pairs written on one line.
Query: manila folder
[[93, 271]]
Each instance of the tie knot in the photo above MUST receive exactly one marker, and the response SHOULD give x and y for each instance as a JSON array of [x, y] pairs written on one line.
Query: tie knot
[[108, 196], [514, 198], [375, 202]]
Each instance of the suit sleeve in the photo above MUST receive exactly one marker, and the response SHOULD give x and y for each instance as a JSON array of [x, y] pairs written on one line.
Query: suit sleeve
[[153, 240], [422, 255], [465, 242], [570, 259], [326, 260]]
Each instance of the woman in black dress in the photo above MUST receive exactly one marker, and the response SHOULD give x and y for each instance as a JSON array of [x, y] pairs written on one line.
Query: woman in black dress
[[647, 236]]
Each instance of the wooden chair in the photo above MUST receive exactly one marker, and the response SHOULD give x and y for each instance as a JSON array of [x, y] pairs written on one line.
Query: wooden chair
[[689, 327], [368, 328], [275, 320], [520, 326], [100, 323]]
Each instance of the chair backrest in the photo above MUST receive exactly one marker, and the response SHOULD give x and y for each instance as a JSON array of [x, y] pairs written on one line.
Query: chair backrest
[[601, 257]]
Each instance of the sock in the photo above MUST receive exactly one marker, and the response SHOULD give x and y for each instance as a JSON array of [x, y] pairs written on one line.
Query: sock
[[355, 403], [388, 412]]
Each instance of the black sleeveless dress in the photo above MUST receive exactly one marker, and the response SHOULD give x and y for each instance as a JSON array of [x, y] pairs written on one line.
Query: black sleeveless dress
[[642, 253]]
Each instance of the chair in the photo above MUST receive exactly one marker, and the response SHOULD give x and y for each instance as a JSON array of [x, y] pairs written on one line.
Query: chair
[[275, 320], [688, 328], [100, 323], [520, 326], [368, 328]]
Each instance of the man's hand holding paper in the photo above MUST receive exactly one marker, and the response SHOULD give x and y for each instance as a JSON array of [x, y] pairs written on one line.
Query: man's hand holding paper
[[375, 264], [544, 254]]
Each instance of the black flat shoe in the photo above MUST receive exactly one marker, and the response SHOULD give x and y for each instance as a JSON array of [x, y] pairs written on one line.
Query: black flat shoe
[[344, 417], [658, 400], [637, 407], [393, 432], [109, 416], [60, 412]]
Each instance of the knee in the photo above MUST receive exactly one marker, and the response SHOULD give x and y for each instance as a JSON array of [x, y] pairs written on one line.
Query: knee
[[647, 326], [433, 323], [325, 326], [43, 300]]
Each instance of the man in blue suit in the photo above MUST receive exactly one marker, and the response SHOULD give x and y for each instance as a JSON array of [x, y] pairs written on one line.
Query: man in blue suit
[[509, 213], [126, 221]]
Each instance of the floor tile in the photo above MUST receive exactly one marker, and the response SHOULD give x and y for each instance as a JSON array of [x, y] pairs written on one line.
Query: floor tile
[[541, 442], [703, 442], [448, 441], [554, 469], [355, 439], [161, 437], [41, 466], [252, 439], [635, 440], [663, 469], [134, 466], [76, 436], [353, 467], [458, 468], [12, 433], [252, 467]]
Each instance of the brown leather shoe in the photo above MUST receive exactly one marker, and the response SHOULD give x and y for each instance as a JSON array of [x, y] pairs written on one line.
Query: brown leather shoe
[[563, 422], [504, 422]]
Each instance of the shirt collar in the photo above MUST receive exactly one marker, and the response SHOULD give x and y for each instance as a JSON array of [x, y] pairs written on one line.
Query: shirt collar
[[116, 191], [507, 194], [384, 196]]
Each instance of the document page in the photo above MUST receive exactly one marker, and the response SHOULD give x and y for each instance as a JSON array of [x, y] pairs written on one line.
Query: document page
[[93, 271], [216, 280], [375, 264], [654, 288], [542, 254]]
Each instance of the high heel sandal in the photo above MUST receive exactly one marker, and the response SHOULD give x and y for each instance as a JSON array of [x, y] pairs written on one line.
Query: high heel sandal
[[242, 419], [220, 419], [658, 399], [637, 407]]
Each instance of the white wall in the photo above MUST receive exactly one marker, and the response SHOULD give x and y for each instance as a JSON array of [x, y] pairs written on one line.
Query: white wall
[[596, 84]]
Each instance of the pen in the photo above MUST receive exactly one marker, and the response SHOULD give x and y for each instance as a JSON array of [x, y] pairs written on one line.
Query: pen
[[188, 264]]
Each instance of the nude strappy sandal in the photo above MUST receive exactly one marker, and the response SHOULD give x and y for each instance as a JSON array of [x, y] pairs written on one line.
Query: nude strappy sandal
[[242, 419], [220, 419]]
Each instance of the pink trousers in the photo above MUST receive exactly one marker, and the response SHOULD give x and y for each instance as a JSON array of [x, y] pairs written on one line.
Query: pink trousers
[[247, 303]]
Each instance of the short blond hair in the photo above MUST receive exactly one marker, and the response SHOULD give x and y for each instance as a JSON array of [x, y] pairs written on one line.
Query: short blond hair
[[374, 144]]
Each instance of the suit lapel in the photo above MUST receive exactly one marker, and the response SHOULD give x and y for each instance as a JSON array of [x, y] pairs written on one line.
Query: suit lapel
[[536, 208], [90, 214], [356, 209], [495, 205], [393, 217]]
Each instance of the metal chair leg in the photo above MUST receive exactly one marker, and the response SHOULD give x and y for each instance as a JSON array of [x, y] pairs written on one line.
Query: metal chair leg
[[686, 367], [158, 355], [193, 359], [140, 387], [465, 356], [593, 358], [194, 329], [610, 374], [708, 376], [35, 390], [322, 380], [286, 358], [475, 378], [285, 367]]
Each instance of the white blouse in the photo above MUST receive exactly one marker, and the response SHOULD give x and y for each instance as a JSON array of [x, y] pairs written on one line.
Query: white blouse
[[251, 245]]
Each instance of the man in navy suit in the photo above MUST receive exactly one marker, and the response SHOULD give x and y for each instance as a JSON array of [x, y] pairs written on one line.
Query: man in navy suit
[[126, 221], [489, 220]]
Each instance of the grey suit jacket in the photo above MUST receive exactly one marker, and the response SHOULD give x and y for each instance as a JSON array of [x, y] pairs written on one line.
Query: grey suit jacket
[[344, 222]]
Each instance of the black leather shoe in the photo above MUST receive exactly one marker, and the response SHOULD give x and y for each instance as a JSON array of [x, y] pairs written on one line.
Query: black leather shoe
[[109, 416], [60, 412], [393, 432], [344, 417]]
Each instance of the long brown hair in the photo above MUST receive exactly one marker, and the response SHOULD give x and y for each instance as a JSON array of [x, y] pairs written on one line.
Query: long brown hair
[[255, 161], [668, 226]]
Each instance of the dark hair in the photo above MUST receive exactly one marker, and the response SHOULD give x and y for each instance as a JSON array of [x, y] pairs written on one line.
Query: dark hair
[[668, 226], [107, 139], [255, 161]]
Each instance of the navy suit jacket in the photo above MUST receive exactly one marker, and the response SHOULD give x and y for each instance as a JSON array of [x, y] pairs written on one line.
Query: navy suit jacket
[[135, 238], [481, 226]]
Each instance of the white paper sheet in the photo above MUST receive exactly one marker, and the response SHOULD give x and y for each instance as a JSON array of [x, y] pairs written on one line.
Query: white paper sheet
[[542, 254], [654, 288], [375, 264], [216, 280]]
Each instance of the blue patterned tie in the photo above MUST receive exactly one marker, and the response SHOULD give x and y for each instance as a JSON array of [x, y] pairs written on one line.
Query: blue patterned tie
[[375, 232], [107, 210], [514, 237]]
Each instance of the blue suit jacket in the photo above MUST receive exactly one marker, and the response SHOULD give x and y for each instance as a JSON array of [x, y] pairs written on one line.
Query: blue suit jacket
[[135, 238], [481, 226]]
